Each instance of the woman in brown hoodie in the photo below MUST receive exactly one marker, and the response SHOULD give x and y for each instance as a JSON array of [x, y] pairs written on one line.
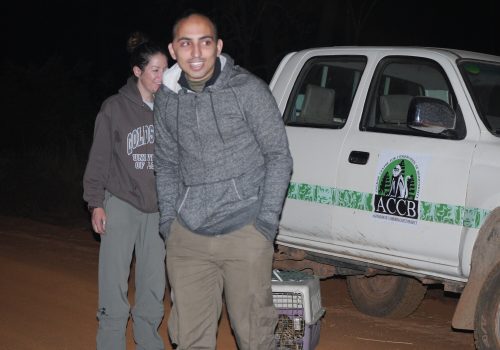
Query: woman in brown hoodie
[[119, 187]]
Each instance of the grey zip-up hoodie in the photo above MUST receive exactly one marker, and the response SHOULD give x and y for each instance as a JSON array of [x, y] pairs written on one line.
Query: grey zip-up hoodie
[[221, 157], [121, 157]]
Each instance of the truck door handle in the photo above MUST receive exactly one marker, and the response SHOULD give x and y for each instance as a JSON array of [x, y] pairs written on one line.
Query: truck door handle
[[359, 157]]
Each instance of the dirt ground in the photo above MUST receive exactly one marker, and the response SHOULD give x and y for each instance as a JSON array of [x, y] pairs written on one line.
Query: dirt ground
[[48, 300]]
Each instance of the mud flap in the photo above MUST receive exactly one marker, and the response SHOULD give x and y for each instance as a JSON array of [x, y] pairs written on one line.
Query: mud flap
[[485, 256]]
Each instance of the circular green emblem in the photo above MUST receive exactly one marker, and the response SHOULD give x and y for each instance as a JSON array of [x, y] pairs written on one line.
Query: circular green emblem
[[399, 178]]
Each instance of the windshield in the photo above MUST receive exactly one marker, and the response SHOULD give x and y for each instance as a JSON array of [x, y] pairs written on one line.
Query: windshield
[[483, 80]]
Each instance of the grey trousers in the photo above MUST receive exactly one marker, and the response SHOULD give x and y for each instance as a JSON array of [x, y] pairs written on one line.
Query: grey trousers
[[127, 229], [201, 268]]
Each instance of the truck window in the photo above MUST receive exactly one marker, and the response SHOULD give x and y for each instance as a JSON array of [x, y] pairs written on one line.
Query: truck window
[[483, 81], [323, 93], [396, 81]]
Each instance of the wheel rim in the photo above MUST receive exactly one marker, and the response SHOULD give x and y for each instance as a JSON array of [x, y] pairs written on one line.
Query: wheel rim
[[381, 286]]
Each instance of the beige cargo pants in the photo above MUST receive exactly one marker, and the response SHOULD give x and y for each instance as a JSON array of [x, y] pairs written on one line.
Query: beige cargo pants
[[201, 268]]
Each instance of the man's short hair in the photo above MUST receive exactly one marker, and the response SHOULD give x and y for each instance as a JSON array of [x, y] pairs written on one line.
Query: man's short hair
[[190, 13]]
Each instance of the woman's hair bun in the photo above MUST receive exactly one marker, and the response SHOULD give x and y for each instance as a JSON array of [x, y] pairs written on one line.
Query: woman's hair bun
[[135, 40], [141, 49]]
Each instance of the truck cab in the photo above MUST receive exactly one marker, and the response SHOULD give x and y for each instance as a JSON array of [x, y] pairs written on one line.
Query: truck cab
[[395, 174]]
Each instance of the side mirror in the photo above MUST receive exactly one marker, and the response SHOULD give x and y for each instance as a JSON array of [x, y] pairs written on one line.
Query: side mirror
[[431, 115]]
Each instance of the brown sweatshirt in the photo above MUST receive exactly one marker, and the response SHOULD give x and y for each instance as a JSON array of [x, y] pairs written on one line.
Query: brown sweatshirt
[[121, 156]]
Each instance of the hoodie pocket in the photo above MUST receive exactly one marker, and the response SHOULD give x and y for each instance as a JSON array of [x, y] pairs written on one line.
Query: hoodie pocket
[[248, 186]]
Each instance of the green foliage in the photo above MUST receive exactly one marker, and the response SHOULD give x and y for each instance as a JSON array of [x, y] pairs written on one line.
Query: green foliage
[[403, 167], [411, 187], [385, 185]]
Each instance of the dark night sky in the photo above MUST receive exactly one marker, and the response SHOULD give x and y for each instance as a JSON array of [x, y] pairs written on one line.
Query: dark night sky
[[96, 31], [89, 36]]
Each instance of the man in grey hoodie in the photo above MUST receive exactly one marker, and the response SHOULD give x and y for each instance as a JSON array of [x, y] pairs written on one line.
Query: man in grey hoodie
[[222, 169]]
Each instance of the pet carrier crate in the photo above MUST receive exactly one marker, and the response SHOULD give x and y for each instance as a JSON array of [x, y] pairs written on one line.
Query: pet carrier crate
[[297, 298]]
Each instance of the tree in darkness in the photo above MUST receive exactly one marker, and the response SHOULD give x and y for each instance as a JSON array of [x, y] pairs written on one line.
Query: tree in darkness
[[385, 184]]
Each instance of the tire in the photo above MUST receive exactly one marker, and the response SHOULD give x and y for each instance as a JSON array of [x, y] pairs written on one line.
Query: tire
[[386, 295], [487, 318]]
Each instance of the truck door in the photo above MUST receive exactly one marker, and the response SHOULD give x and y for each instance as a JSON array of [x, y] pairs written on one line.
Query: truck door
[[416, 181], [316, 115]]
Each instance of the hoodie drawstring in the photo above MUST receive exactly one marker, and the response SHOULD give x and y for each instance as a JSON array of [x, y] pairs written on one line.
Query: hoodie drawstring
[[215, 117], [177, 122], [238, 103]]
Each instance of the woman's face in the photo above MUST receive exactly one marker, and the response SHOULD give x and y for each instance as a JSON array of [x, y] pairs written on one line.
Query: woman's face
[[149, 79]]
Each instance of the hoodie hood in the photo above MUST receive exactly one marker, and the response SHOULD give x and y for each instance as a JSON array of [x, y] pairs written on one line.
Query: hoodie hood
[[171, 76], [131, 91]]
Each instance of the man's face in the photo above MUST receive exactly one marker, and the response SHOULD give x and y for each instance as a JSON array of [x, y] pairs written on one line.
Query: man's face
[[195, 48]]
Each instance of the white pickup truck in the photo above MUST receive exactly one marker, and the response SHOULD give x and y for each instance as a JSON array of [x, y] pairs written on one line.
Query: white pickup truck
[[396, 180]]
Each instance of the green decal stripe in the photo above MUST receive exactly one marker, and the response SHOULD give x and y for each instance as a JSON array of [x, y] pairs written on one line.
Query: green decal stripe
[[331, 196], [433, 212]]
